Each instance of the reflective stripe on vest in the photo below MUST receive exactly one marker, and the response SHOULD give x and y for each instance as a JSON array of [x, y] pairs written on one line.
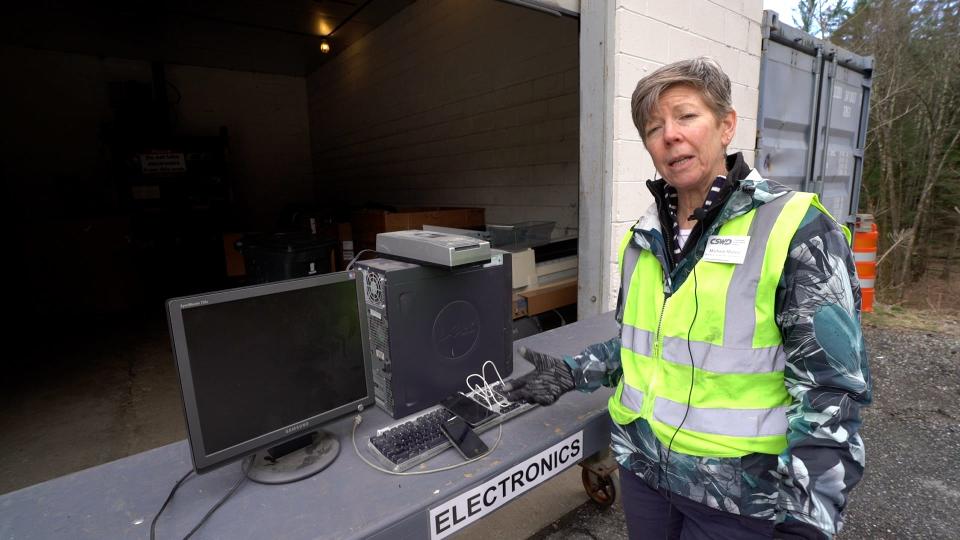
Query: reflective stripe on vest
[[635, 339], [738, 404], [734, 422], [721, 359]]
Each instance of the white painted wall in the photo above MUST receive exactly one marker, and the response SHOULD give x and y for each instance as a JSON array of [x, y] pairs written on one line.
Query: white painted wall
[[647, 35], [454, 103]]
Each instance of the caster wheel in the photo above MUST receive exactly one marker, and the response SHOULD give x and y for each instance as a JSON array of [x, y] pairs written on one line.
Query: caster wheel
[[601, 489]]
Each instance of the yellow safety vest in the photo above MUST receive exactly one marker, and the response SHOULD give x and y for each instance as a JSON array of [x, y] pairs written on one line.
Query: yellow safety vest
[[738, 404]]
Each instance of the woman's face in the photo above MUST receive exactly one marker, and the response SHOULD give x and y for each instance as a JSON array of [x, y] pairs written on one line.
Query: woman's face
[[685, 139]]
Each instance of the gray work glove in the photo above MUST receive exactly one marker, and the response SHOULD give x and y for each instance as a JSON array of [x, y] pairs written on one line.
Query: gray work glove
[[550, 378]]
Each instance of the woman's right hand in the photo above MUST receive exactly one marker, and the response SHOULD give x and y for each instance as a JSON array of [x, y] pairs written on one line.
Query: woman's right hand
[[550, 379]]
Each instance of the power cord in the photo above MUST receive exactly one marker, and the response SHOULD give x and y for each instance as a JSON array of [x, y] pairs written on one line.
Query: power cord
[[247, 463], [353, 436], [666, 464], [153, 524]]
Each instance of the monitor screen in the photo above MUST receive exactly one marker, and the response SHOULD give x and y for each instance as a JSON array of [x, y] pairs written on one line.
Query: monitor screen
[[260, 364]]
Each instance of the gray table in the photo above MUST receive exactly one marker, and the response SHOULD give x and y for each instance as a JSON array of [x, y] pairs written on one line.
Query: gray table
[[347, 500]]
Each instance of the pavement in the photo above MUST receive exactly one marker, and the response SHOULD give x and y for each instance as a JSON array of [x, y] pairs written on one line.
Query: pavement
[[911, 487]]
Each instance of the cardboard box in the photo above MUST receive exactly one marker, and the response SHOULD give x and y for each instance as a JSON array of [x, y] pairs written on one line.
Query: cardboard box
[[368, 223], [553, 296], [524, 269]]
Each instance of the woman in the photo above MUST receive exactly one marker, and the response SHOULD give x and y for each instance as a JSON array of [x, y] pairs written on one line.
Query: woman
[[740, 367]]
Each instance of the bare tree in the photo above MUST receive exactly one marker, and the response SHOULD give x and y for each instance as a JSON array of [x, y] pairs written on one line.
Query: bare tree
[[821, 16], [911, 174]]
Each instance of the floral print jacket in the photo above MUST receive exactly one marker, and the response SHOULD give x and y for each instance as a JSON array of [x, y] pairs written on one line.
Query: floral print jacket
[[805, 488]]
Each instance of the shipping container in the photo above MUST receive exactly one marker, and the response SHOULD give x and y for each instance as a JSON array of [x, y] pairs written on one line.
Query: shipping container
[[814, 106]]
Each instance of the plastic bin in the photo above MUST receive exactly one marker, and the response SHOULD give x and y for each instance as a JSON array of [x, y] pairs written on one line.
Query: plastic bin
[[280, 256], [520, 235]]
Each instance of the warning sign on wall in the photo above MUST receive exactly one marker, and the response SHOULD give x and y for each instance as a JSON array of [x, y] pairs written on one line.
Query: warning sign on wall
[[163, 163]]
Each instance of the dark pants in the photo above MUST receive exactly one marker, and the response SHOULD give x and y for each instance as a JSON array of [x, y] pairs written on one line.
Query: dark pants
[[652, 515]]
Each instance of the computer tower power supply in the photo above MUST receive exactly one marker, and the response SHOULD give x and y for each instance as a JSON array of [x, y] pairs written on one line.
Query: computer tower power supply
[[431, 327]]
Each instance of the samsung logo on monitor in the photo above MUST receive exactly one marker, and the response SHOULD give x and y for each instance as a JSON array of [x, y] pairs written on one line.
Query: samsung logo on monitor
[[296, 427]]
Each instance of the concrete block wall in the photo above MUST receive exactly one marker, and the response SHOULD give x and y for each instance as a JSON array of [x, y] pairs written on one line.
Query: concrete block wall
[[59, 103], [649, 34], [466, 103]]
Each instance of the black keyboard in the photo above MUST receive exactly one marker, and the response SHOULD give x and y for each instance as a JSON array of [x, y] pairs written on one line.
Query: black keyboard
[[415, 439]]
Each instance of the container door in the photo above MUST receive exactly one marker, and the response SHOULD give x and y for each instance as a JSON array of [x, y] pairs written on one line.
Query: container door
[[789, 90], [814, 105], [840, 136]]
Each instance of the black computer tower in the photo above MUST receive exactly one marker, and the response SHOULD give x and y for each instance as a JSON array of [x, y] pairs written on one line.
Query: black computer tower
[[431, 327]]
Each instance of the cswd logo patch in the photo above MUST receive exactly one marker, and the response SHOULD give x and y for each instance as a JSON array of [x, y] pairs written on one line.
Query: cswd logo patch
[[480, 501]]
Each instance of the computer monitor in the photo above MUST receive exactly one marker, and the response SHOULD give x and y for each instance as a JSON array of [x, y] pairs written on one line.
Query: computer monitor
[[261, 368]]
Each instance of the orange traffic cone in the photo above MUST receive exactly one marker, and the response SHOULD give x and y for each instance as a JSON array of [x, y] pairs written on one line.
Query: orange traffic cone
[[865, 256]]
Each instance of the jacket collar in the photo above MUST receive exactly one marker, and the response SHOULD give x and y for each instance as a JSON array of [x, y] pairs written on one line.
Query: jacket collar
[[745, 190]]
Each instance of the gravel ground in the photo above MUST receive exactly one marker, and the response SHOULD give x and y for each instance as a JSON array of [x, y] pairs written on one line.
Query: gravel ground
[[911, 488]]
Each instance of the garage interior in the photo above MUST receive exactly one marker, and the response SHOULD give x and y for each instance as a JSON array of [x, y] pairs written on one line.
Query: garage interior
[[144, 140]]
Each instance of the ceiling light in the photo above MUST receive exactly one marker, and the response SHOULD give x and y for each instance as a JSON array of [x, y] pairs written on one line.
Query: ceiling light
[[324, 46]]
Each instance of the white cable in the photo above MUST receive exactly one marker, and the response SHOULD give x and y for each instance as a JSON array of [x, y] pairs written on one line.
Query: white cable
[[480, 393], [357, 256], [483, 370], [480, 388], [491, 399], [353, 436], [493, 393], [483, 390]]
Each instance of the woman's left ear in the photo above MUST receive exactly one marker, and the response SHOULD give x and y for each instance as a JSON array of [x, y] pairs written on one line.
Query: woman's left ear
[[728, 127]]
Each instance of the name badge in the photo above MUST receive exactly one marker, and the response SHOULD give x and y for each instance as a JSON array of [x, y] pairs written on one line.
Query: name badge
[[726, 249]]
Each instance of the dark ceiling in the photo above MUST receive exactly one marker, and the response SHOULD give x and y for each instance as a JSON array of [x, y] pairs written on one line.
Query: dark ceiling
[[269, 36]]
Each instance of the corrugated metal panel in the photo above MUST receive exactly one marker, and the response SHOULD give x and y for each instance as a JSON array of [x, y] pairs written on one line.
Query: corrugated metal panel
[[814, 105]]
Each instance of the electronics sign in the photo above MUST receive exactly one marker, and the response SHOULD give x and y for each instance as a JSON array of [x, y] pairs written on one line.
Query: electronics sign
[[457, 513]]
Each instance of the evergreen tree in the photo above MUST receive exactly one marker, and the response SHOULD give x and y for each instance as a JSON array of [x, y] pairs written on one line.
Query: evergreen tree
[[821, 16]]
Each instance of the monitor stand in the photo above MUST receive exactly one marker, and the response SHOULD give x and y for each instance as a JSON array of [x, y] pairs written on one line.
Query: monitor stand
[[295, 460]]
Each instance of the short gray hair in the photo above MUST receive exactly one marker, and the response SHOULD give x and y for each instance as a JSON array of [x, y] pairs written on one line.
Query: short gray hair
[[702, 73]]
